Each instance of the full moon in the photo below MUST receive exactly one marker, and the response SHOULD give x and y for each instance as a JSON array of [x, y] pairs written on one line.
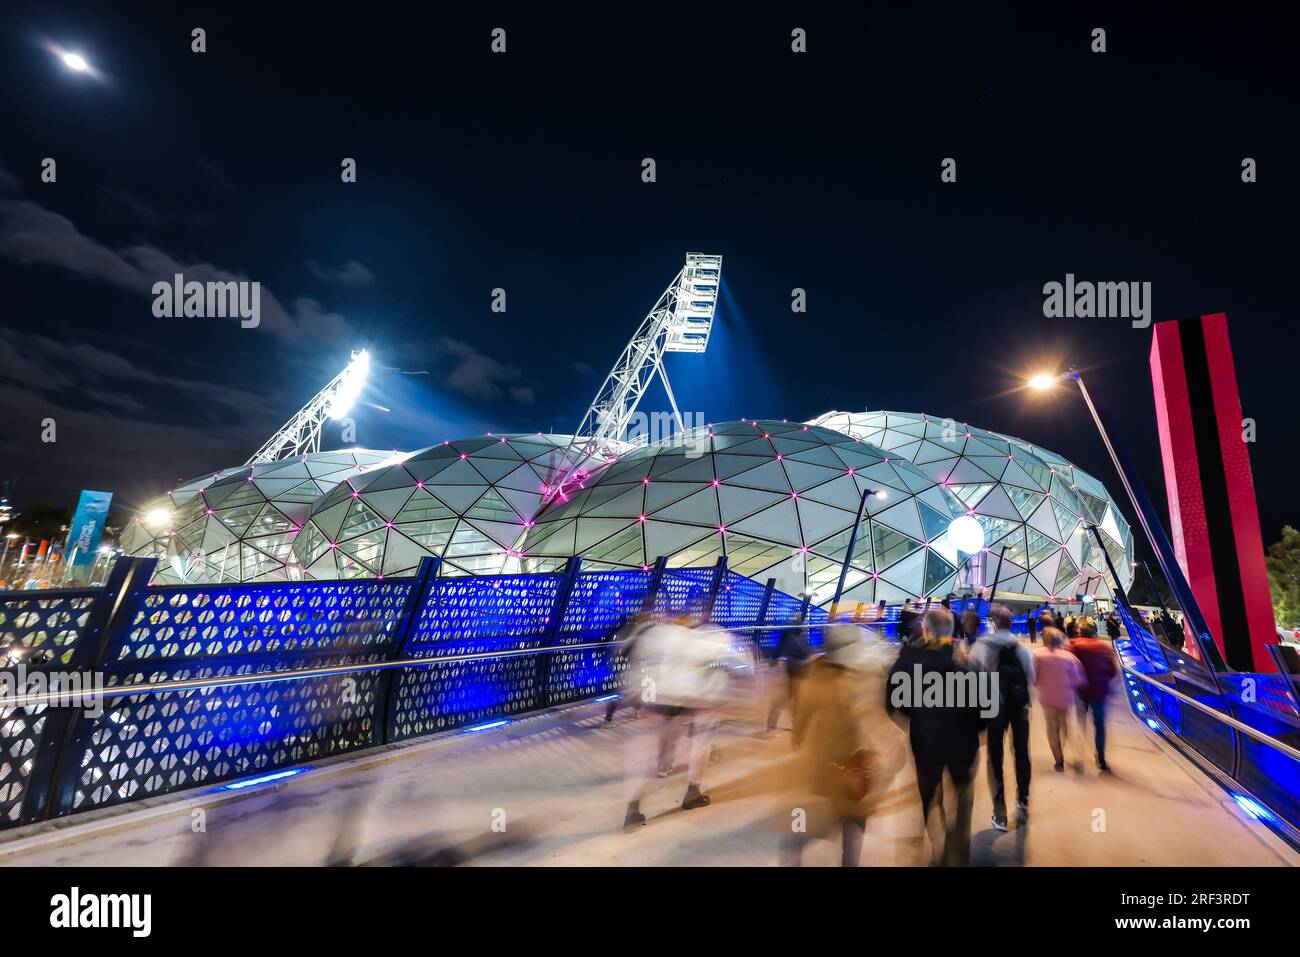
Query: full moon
[[75, 61]]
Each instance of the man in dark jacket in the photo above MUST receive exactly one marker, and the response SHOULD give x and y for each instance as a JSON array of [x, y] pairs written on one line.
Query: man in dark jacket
[[944, 734], [907, 621], [1031, 625], [998, 652]]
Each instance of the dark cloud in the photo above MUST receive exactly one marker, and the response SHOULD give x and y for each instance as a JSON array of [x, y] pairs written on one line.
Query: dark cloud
[[478, 376], [30, 234], [352, 274]]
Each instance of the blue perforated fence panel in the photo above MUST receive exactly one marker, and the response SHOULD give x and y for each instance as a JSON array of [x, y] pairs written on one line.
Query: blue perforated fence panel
[[149, 744], [461, 616], [531, 632], [33, 626]]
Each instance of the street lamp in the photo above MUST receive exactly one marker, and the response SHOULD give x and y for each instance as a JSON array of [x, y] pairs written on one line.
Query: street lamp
[[853, 539], [1156, 537]]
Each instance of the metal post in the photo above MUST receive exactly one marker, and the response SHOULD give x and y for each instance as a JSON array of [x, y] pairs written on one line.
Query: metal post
[[719, 575], [848, 555], [413, 609], [656, 579], [546, 649], [997, 576], [98, 644]]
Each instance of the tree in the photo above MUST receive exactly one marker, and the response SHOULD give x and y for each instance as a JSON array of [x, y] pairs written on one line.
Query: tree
[[1283, 561], [42, 519]]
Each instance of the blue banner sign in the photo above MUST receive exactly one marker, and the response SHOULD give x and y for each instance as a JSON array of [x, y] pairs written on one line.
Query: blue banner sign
[[87, 527]]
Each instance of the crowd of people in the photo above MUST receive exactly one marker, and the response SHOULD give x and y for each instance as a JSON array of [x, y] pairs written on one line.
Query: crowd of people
[[859, 703]]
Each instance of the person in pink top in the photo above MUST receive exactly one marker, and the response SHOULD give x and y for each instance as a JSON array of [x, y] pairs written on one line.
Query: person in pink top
[[1058, 676]]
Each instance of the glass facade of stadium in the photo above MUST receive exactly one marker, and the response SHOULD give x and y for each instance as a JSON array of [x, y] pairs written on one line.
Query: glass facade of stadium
[[779, 499]]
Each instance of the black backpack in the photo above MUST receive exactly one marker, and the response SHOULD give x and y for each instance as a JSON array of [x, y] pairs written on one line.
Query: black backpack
[[1013, 683]]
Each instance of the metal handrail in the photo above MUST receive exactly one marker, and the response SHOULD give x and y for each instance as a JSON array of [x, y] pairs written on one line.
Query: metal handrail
[[302, 674], [271, 677], [1232, 722]]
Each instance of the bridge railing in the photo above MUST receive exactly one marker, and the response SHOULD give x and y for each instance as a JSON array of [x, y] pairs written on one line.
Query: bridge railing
[[1242, 729], [193, 685]]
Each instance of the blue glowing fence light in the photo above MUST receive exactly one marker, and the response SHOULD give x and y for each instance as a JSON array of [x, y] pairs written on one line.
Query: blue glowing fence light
[[487, 726], [261, 779]]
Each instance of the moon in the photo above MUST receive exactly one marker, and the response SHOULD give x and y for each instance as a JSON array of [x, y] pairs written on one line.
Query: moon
[[76, 62]]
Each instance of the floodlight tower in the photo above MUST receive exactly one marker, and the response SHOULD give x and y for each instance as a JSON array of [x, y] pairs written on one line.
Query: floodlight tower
[[679, 322], [302, 432]]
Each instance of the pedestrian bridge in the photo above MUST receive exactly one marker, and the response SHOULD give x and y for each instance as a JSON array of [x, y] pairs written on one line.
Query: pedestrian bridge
[[548, 789], [460, 719]]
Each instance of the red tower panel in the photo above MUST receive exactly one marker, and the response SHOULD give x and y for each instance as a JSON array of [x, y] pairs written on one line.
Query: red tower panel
[[1213, 515]]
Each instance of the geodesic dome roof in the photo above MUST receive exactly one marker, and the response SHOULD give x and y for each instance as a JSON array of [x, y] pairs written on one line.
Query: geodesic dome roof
[[779, 499], [238, 524], [1026, 497], [467, 501]]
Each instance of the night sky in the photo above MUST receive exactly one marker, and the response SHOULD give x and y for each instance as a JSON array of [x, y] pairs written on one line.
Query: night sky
[[523, 171]]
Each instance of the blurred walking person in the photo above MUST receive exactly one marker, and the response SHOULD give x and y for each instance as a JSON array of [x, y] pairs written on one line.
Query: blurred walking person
[[1058, 676], [1100, 669], [848, 748], [684, 676], [944, 736], [908, 619], [789, 656], [1031, 625], [1000, 652], [625, 652]]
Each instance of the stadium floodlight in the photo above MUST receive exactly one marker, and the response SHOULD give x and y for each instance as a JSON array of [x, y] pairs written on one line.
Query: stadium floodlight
[[301, 434], [680, 321], [352, 381], [158, 518]]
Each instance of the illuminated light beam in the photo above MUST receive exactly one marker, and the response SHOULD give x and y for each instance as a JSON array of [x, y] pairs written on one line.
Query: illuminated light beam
[[301, 434]]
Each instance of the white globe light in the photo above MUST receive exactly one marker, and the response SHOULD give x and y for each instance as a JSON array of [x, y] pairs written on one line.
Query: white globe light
[[966, 534], [75, 61]]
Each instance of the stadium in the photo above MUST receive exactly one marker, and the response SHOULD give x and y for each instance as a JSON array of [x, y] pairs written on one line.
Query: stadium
[[878, 506]]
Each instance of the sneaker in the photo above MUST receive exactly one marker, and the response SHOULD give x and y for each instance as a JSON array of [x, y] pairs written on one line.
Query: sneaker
[[1103, 767], [664, 772], [1022, 815], [999, 823], [1060, 765]]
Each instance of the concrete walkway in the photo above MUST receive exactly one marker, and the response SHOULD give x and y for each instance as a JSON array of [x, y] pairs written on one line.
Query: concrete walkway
[[555, 784]]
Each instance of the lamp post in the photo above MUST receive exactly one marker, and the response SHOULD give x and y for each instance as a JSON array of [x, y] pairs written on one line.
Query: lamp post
[[848, 555], [1156, 537], [997, 575], [9, 540]]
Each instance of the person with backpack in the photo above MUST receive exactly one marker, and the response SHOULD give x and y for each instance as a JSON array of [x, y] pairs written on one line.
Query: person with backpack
[[1058, 678], [1000, 652]]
